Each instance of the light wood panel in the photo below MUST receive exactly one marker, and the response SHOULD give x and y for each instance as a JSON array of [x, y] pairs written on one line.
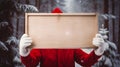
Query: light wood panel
[[61, 30]]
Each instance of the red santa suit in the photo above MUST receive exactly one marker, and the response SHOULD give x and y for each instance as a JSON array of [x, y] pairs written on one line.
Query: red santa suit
[[59, 57]]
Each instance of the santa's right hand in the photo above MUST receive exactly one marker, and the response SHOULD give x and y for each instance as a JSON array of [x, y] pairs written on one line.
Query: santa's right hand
[[25, 43]]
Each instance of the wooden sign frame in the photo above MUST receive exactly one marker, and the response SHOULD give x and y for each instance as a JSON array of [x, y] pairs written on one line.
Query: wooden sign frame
[[61, 30]]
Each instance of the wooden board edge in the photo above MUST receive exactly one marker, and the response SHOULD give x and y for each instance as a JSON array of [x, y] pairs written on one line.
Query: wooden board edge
[[60, 14]]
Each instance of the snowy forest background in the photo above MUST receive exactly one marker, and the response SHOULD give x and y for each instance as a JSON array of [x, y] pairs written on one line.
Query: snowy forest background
[[12, 25]]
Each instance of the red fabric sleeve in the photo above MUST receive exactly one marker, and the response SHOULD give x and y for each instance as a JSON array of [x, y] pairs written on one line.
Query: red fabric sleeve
[[33, 59], [85, 59]]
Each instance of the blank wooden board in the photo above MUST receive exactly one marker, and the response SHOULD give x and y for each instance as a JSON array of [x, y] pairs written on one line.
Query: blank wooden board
[[61, 30]]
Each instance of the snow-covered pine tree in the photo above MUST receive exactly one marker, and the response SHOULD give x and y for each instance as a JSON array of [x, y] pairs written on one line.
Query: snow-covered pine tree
[[9, 55]]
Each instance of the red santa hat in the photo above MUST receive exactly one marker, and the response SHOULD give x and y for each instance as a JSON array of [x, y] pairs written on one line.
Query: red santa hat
[[57, 10]]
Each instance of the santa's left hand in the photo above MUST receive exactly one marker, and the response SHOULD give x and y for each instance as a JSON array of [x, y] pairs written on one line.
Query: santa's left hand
[[100, 43]]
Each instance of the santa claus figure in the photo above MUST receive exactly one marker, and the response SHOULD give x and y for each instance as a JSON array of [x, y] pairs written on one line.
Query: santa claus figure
[[60, 57]]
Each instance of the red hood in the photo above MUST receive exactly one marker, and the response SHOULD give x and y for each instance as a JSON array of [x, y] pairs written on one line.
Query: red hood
[[57, 10]]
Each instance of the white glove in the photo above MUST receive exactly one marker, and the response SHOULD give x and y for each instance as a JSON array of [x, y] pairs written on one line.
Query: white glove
[[100, 43], [24, 46]]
